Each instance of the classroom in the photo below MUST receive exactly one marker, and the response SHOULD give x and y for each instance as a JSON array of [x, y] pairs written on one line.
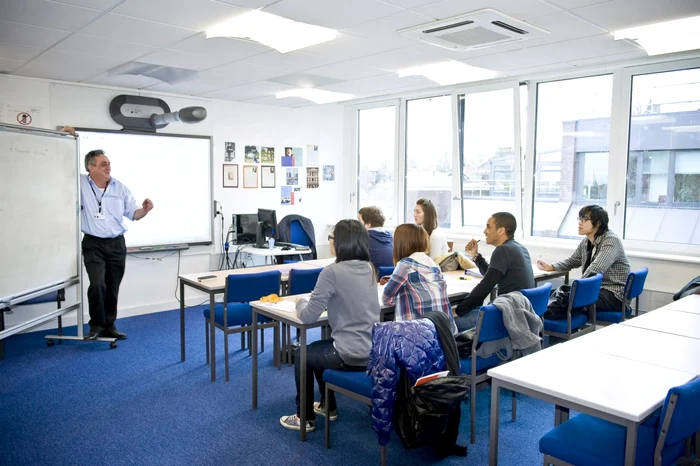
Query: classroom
[[244, 135]]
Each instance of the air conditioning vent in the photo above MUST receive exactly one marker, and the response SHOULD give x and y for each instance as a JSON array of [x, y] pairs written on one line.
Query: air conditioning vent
[[479, 29]]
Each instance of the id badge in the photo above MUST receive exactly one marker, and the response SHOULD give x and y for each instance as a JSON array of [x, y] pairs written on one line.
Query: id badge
[[99, 216]]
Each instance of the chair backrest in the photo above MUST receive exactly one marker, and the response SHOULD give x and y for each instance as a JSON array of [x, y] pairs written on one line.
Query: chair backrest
[[685, 419], [248, 287], [635, 283], [490, 325], [298, 235], [538, 297], [585, 291], [385, 271], [303, 280]]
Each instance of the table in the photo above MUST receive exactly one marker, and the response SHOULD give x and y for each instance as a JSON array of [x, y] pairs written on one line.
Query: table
[[571, 379], [215, 286], [688, 304], [668, 321], [274, 252], [321, 262]]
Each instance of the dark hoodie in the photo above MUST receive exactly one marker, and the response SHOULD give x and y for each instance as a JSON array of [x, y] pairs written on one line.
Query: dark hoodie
[[381, 247]]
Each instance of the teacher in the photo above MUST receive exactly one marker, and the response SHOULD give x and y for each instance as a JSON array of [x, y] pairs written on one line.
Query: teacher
[[104, 204]]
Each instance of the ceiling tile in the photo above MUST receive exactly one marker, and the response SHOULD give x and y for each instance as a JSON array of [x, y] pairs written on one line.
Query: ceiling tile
[[205, 83], [587, 47], [384, 82], [332, 14], [561, 26], [248, 91], [347, 47], [571, 4], [620, 14], [409, 3], [346, 71], [513, 60], [535, 70], [305, 80], [96, 4], [118, 27], [34, 36], [233, 49], [288, 62], [190, 61], [241, 72], [254, 4], [199, 15], [123, 80], [18, 52], [385, 28], [9, 65], [395, 60], [520, 9], [57, 64], [47, 14], [620, 57], [289, 102], [91, 45]]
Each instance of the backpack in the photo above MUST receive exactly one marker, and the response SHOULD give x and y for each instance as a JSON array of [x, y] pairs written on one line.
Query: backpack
[[454, 261]]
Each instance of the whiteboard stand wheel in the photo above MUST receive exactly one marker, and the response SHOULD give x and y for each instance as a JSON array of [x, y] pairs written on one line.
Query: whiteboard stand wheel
[[50, 343], [113, 345]]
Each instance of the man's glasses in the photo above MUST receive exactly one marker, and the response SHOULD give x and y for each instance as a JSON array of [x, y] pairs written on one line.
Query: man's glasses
[[583, 219], [330, 237]]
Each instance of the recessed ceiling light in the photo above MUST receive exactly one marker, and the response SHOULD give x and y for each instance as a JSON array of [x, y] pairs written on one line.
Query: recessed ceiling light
[[282, 34], [668, 37], [449, 72], [315, 95]]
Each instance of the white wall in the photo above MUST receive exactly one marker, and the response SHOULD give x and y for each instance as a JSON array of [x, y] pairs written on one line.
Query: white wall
[[150, 282]]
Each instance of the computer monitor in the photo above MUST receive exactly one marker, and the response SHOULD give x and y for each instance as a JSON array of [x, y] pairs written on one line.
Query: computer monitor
[[244, 228], [267, 227]]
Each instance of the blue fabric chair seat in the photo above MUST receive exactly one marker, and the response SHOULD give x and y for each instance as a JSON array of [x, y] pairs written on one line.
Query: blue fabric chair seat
[[356, 382], [481, 364], [238, 314], [559, 325], [611, 316], [604, 443]]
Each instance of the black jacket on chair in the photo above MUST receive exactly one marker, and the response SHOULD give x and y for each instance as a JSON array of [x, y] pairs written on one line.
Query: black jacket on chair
[[284, 232]]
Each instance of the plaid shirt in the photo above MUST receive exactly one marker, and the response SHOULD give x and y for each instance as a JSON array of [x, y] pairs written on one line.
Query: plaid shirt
[[416, 287], [608, 258]]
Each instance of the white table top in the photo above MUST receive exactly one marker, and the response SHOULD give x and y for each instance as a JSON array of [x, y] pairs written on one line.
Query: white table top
[[668, 321], [276, 251], [628, 389], [220, 281], [688, 304], [321, 262], [643, 345]]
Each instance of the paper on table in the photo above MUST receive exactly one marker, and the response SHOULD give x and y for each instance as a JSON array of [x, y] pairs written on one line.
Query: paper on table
[[473, 273], [286, 305]]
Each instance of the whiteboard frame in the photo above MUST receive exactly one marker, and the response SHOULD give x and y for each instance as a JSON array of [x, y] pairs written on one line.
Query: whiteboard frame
[[190, 136]]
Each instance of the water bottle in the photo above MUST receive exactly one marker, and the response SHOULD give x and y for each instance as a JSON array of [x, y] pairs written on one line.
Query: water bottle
[[271, 243]]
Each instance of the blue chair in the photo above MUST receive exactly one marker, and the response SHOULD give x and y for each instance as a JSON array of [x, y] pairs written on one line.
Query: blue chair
[[633, 288], [584, 293], [298, 235], [539, 298], [300, 281], [661, 440], [57, 297], [385, 271], [489, 327], [238, 318]]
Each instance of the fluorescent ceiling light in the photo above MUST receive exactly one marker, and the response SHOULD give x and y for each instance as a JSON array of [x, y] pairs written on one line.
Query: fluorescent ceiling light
[[282, 34], [667, 37], [449, 72], [315, 95]]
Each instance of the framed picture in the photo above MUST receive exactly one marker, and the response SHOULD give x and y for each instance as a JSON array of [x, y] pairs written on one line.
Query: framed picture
[[250, 176], [230, 175], [267, 176]]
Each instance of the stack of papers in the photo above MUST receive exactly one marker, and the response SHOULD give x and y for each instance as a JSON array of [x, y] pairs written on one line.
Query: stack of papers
[[286, 305]]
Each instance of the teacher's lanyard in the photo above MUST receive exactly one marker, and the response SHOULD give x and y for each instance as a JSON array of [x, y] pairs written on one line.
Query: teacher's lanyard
[[99, 201]]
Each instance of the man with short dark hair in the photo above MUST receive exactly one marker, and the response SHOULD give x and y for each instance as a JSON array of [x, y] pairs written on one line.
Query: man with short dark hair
[[510, 267], [381, 242]]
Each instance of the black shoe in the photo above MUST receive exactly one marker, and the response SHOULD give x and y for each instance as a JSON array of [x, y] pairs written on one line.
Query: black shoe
[[92, 335], [114, 333]]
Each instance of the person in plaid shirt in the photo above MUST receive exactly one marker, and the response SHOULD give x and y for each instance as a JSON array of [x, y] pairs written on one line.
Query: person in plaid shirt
[[417, 285]]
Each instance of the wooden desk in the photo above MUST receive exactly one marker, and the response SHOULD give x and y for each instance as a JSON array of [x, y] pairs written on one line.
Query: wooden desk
[[598, 384], [668, 321], [215, 286]]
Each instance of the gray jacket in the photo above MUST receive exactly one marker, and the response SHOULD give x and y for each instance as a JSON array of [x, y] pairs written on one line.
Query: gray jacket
[[523, 325]]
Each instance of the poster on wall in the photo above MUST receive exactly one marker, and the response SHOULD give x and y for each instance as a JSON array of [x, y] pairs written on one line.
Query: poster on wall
[[296, 194], [290, 195], [230, 151], [268, 155], [252, 154], [312, 177], [250, 176], [267, 176], [312, 157], [328, 172], [230, 175], [292, 176], [292, 157]]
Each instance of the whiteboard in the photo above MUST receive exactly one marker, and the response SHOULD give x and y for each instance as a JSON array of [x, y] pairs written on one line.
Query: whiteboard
[[39, 224], [173, 171]]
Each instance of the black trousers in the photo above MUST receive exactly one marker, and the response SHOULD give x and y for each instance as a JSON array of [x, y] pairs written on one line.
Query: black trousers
[[105, 260], [607, 301], [320, 355]]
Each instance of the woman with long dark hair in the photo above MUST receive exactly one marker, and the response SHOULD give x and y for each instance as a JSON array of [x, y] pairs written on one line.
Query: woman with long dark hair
[[425, 215]]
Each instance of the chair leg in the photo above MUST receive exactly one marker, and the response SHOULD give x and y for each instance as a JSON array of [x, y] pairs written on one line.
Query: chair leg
[[289, 345], [262, 340], [226, 354], [326, 422], [276, 346], [382, 455], [472, 421], [250, 340], [206, 336], [60, 329], [283, 345], [242, 339], [514, 399]]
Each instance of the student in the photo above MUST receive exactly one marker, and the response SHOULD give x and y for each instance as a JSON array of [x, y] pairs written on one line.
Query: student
[[600, 251], [381, 243], [510, 268], [417, 285], [425, 215], [348, 289]]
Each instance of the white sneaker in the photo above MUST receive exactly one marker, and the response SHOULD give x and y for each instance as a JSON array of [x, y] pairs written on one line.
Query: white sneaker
[[292, 422], [320, 410]]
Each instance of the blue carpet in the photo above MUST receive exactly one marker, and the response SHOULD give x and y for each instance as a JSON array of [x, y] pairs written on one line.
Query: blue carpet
[[86, 404]]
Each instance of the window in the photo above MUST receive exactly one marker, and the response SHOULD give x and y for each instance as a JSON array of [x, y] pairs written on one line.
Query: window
[[663, 164], [377, 153], [489, 172], [429, 156], [572, 142]]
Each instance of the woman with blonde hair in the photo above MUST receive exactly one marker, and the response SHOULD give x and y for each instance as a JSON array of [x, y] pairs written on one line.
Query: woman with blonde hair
[[425, 215]]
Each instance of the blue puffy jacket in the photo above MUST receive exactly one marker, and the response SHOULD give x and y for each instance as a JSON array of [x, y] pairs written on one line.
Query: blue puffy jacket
[[412, 346]]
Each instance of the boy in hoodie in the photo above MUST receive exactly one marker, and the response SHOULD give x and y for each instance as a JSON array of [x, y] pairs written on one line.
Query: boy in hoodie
[[381, 243]]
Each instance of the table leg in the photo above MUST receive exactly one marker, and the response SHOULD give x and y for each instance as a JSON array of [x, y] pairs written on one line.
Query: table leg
[[182, 321], [254, 344], [631, 443], [561, 414], [493, 428], [212, 336], [566, 278], [302, 384]]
